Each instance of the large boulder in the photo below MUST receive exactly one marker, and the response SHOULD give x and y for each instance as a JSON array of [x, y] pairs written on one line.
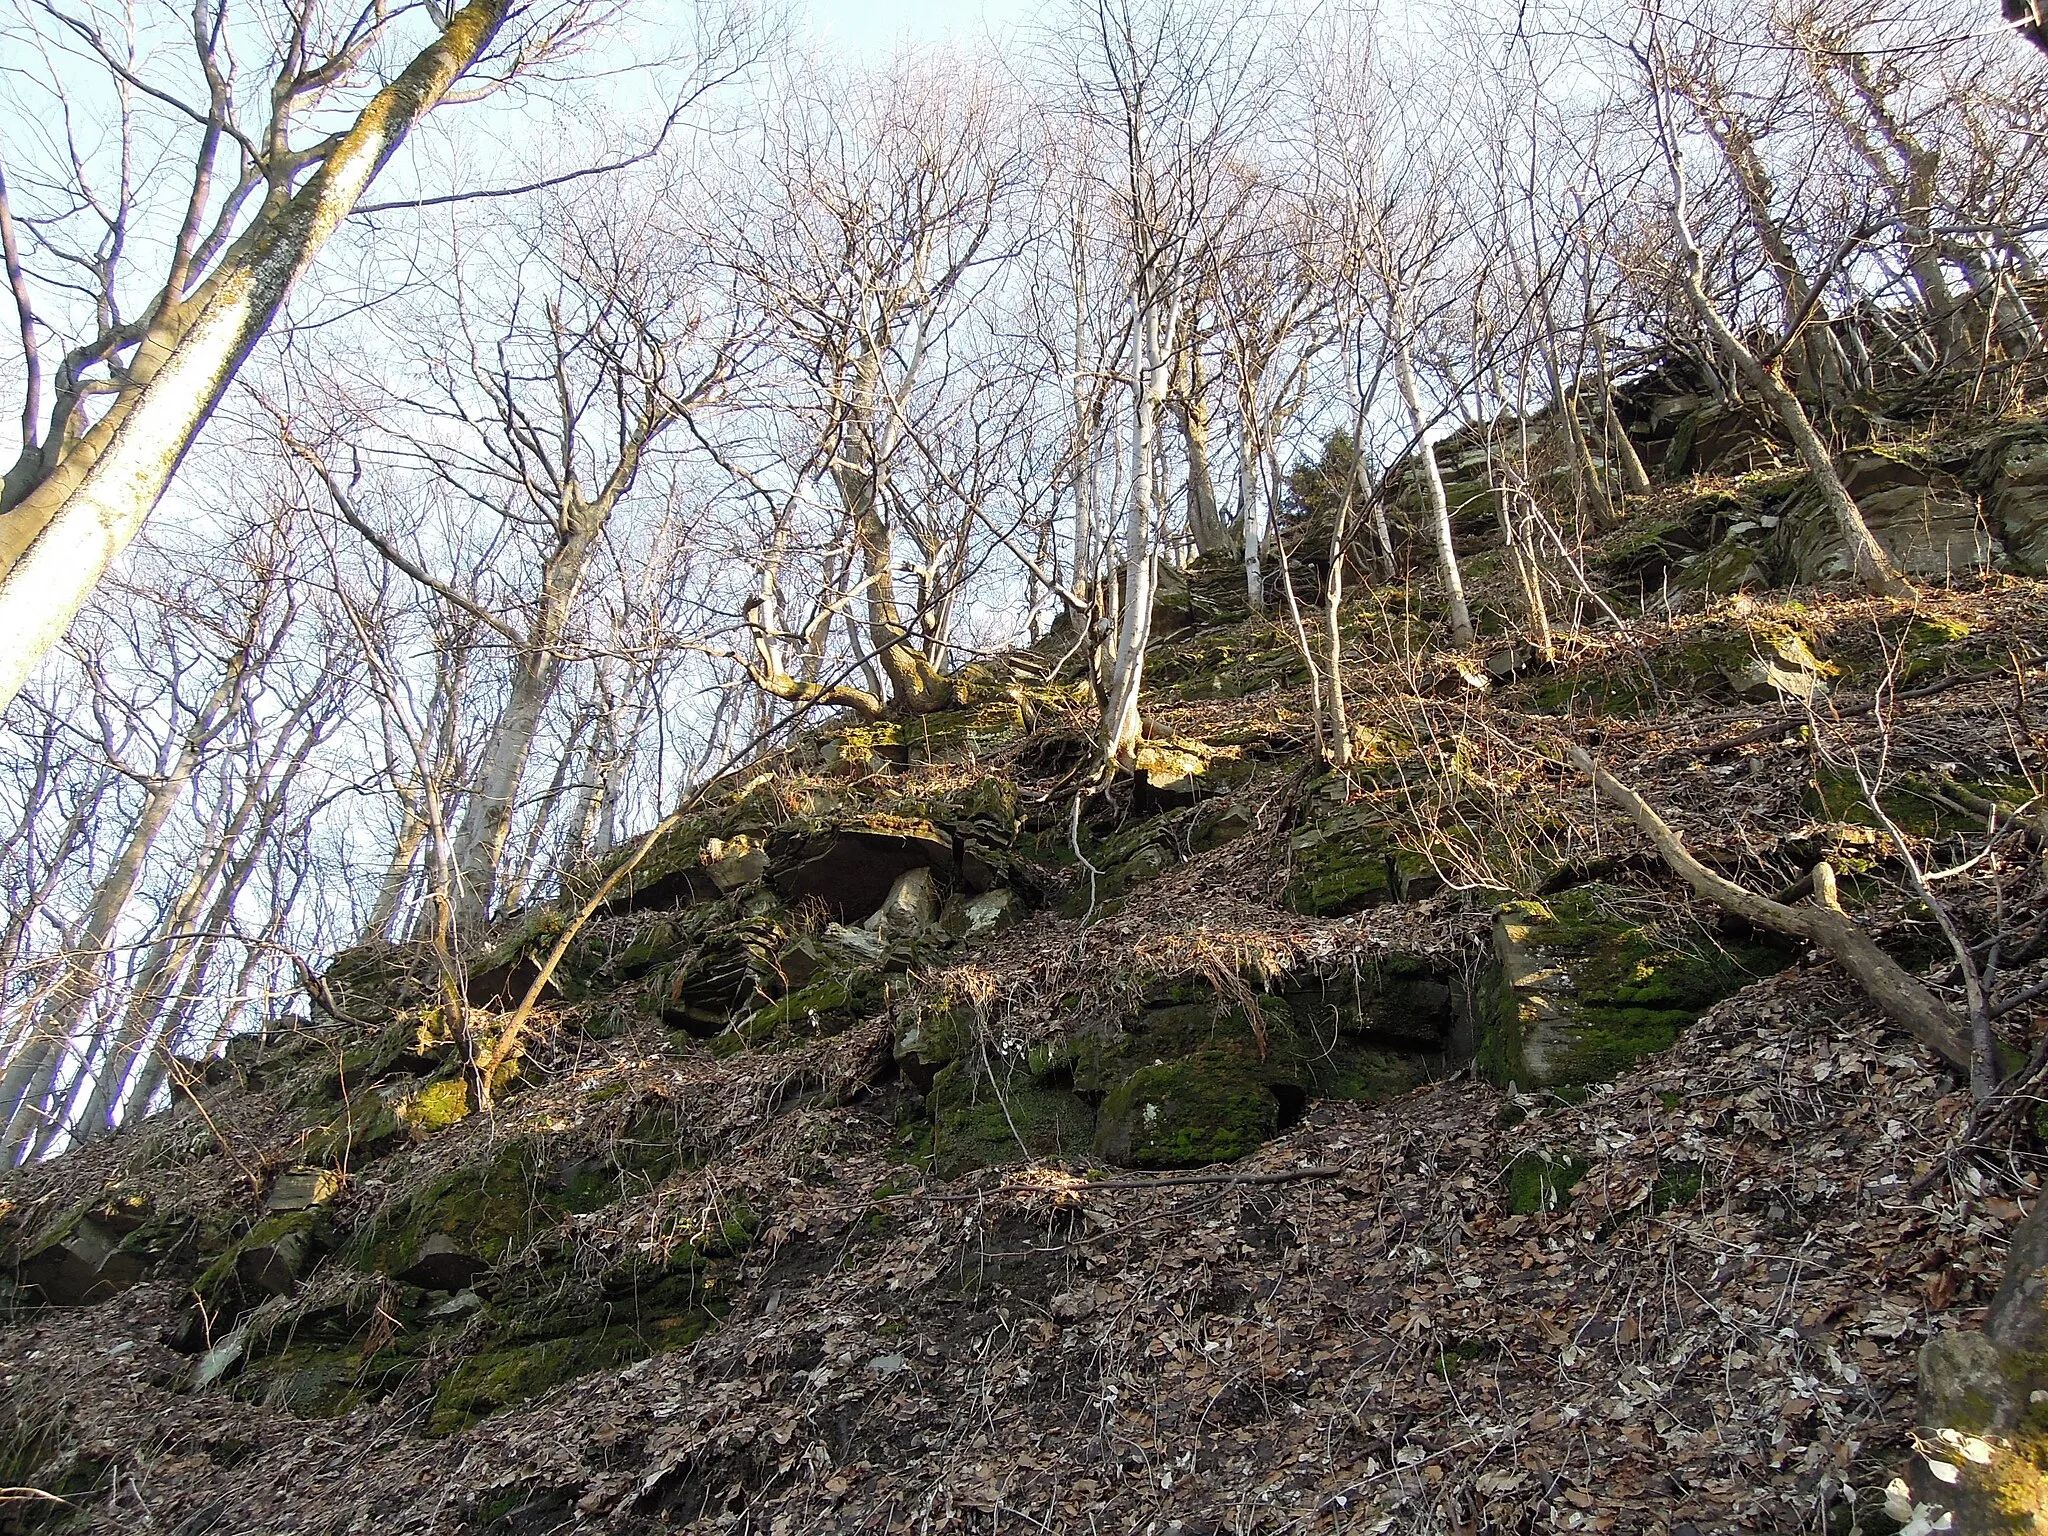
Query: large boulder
[[97, 1251], [732, 974], [1720, 439], [1192, 1082], [1587, 984], [1924, 516], [988, 1112]]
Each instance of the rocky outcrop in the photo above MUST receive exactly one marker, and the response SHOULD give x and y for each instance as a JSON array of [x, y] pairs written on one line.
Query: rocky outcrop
[[1582, 987], [1190, 1077], [1982, 1462], [95, 1252], [1927, 519], [2014, 473]]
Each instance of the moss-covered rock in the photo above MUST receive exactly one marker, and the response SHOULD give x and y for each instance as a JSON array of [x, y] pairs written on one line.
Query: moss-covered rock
[[1756, 656], [1193, 1082], [1982, 1448], [494, 1379], [1740, 562], [477, 1214], [2016, 499], [1186, 1113], [729, 977], [502, 974], [1002, 1115], [1921, 512], [1584, 987], [1411, 1003], [930, 1037], [96, 1250], [1918, 806], [824, 1008], [436, 1106], [1358, 1073], [1342, 862], [367, 1127], [267, 1260]]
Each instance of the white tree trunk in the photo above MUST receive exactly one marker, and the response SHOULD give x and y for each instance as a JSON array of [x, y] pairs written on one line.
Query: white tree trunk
[[58, 542], [1433, 487], [33, 1072], [1122, 726], [1251, 526]]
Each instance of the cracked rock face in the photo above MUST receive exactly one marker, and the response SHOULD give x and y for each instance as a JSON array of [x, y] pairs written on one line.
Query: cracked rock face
[[2017, 504], [1926, 519]]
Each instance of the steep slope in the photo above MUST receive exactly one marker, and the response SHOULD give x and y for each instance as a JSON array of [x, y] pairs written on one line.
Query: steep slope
[[1256, 1148]]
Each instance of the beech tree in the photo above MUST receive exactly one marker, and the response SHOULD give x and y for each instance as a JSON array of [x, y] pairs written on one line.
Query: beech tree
[[269, 184], [1764, 371], [1176, 95], [878, 214], [544, 414]]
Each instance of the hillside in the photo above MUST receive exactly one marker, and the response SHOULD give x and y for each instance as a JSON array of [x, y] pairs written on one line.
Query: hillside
[[1256, 1147]]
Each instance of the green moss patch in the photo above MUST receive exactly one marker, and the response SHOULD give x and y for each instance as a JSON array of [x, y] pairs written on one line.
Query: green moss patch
[[1186, 1113], [1584, 987], [1541, 1181], [823, 1008], [978, 1121], [1920, 808], [487, 1210]]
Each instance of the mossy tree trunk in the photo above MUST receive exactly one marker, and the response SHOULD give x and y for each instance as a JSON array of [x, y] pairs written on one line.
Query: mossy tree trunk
[[62, 530]]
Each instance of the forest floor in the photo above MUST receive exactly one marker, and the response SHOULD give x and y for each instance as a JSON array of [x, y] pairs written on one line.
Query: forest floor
[[1707, 1323]]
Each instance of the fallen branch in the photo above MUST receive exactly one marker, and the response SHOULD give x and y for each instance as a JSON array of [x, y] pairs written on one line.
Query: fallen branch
[[1165, 1181], [1901, 998], [1182, 1180]]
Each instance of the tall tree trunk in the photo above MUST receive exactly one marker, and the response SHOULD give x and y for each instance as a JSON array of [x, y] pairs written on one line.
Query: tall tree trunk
[[487, 815], [1251, 527], [32, 1074], [1122, 725], [58, 540], [1593, 487], [167, 955], [1433, 488], [405, 848], [1204, 524], [1617, 446]]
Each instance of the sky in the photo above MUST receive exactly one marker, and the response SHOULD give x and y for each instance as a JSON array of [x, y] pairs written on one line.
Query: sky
[[876, 26]]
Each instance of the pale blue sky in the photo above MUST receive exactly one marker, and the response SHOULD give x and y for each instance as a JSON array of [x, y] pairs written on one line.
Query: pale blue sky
[[876, 26]]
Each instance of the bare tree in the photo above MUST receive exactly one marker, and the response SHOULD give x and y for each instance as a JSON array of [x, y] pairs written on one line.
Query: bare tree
[[1176, 94], [1765, 373], [266, 194], [879, 214], [547, 423]]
